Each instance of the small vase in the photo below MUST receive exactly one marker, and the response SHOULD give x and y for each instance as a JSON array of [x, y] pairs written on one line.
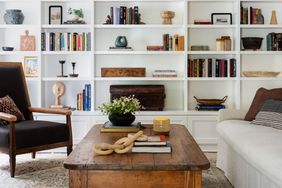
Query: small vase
[[273, 19], [121, 42], [121, 120], [13, 16]]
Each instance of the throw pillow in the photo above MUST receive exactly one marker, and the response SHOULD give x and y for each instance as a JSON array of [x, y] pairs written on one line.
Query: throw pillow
[[7, 105], [261, 96], [270, 114]]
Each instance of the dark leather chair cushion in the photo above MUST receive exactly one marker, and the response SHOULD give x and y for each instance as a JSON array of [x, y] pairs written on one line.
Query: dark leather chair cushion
[[35, 133]]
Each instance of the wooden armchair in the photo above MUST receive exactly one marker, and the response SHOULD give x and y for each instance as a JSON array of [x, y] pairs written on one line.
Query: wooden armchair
[[29, 135]]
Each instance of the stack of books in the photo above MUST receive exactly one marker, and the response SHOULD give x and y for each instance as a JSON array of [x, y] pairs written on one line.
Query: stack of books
[[154, 144], [203, 107], [108, 127], [124, 15], [84, 99], [251, 15], [164, 73], [212, 67], [66, 41]]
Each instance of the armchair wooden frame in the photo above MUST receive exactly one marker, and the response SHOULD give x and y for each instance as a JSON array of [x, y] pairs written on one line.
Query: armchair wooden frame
[[12, 151]]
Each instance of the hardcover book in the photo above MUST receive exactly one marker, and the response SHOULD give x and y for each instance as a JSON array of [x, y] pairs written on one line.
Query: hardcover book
[[108, 127], [148, 149]]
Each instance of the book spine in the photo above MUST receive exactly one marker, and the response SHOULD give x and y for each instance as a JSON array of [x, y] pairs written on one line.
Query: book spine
[[121, 15], [209, 67], [136, 15], [112, 15], [43, 41]]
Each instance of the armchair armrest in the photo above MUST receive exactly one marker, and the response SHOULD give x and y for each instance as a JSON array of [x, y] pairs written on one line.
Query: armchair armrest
[[50, 111], [228, 114], [7, 117]]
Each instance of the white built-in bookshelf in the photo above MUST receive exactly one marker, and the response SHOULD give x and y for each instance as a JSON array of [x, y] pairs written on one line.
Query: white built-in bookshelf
[[179, 102]]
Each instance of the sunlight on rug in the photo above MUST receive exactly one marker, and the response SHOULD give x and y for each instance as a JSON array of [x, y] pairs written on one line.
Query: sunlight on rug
[[47, 171]]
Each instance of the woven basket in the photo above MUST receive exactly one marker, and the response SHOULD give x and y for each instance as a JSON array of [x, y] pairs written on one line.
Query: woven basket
[[211, 101]]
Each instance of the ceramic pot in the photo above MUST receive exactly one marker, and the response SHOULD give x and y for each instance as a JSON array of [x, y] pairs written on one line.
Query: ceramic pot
[[121, 41], [13, 16], [122, 120]]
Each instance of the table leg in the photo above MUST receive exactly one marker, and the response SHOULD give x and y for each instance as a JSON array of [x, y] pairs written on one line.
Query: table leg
[[193, 179]]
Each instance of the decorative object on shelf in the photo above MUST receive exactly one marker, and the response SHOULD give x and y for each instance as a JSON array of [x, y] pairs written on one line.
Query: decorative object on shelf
[[223, 43], [121, 42], [109, 20], [273, 19], [31, 67], [83, 101], [167, 17], [251, 43], [62, 62], [121, 110], [210, 101], [200, 48], [73, 70], [251, 15], [210, 104], [58, 91], [151, 97], [121, 146], [274, 42], [55, 14], [123, 72], [161, 126], [164, 73], [7, 48], [260, 74], [13, 16], [202, 22], [155, 48], [77, 16], [27, 42], [221, 18]]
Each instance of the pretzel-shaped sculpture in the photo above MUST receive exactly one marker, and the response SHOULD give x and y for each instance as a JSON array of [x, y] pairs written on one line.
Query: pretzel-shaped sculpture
[[121, 146]]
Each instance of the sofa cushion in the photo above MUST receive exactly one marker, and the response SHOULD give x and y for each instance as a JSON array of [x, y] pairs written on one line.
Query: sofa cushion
[[35, 133], [270, 114], [259, 145], [261, 96], [7, 105]]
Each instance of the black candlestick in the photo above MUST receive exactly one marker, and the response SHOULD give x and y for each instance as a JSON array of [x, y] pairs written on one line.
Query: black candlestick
[[73, 70], [62, 62]]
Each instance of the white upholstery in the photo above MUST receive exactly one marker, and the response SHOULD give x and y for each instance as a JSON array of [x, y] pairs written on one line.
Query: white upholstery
[[259, 148], [226, 114]]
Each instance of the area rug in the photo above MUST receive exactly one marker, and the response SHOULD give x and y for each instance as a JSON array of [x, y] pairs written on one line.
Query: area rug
[[47, 171]]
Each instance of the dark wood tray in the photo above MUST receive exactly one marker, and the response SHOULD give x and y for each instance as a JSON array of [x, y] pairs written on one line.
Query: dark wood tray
[[211, 101]]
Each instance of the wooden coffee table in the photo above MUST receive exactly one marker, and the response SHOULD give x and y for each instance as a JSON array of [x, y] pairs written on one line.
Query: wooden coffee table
[[181, 168]]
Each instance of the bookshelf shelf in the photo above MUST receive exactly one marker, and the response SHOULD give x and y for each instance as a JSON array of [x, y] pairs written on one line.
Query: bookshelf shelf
[[261, 79], [66, 52], [20, 53], [66, 79], [139, 52], [195, 26], [137, 79], [257, 26], [264, 1], [213, 52], [22, 26], [261, 52], [211, 79], [140, 26], [66, 26]]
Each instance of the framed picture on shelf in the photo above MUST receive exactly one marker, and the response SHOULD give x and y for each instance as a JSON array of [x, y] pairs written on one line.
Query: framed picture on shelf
[[31, 66], [55, 15], [221, 18]]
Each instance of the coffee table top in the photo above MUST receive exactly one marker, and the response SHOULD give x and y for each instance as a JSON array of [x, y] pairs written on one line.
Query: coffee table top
[[186, 154]]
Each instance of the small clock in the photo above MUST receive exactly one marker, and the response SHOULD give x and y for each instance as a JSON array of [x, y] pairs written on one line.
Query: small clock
[[161, 126]]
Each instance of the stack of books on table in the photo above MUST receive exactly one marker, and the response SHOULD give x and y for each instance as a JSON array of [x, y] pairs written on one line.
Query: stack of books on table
[[203, 107], [164, 73], [154, 144], [108, 127]]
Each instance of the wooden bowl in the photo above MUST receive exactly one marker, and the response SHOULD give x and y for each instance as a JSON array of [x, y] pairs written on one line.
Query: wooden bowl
[[260, 74], [211, 101]]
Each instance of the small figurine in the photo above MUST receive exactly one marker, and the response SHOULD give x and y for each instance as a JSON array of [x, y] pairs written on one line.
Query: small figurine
[[109, 20], [58, 91], [73, 70]]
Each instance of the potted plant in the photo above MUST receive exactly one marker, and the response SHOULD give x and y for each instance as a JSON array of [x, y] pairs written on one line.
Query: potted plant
[[121, 110], [77, 13]]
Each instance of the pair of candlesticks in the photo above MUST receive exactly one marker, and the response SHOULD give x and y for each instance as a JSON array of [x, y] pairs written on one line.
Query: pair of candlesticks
[[62, 62]]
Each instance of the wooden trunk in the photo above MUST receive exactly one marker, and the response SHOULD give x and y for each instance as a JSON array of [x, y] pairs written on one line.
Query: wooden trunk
[[123, 72], [151, 97]]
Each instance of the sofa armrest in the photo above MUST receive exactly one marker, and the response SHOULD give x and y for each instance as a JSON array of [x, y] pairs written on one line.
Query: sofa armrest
[[228, 114], [7, 117]]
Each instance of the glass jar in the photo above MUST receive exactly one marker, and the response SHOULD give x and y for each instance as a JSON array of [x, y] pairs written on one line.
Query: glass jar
[[161, 125]]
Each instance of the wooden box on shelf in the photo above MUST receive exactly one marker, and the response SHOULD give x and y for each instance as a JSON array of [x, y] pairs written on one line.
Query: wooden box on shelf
[[123, 72]]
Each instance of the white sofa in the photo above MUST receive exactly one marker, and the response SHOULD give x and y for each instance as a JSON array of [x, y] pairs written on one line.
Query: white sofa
[[250, 155]]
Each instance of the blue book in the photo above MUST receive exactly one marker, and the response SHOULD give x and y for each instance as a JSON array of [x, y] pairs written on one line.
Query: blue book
[[210, 107], [117, 15], [88, 97]]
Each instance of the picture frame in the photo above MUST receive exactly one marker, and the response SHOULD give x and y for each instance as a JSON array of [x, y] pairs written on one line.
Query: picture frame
[[221, 18], [30, 66], [55, 15]]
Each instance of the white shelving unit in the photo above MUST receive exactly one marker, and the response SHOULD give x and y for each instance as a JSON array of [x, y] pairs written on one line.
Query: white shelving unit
[[179, 102]]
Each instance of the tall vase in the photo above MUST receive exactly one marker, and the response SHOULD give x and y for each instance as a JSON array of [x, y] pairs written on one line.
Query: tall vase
[[273, 19]]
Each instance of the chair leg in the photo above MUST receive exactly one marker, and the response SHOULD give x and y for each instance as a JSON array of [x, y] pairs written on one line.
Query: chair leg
[[69, 149], [12, 165], [33, 155]]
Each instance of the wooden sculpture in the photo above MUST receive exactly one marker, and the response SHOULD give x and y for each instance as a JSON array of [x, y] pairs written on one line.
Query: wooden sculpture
[[58, 91]]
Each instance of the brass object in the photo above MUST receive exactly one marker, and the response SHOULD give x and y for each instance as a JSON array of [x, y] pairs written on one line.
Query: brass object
[[161, 126]]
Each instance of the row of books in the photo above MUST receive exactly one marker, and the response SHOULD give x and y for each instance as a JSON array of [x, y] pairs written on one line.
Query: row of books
[[84, 99], [274, 41], [212, 67], [251, 16], [124, 15], [164, 73], [65, 41], [201, 107], [173, 43]]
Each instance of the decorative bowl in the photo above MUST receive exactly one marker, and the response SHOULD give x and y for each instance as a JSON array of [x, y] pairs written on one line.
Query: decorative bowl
[[7, 48], [73, 75], [251, 43], [211, 101]]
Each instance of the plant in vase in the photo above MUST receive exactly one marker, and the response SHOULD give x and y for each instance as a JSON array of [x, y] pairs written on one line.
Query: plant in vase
[[77, 14], [121, 110]]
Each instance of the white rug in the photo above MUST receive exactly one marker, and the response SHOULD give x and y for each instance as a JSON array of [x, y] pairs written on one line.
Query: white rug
[[47, 171]]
